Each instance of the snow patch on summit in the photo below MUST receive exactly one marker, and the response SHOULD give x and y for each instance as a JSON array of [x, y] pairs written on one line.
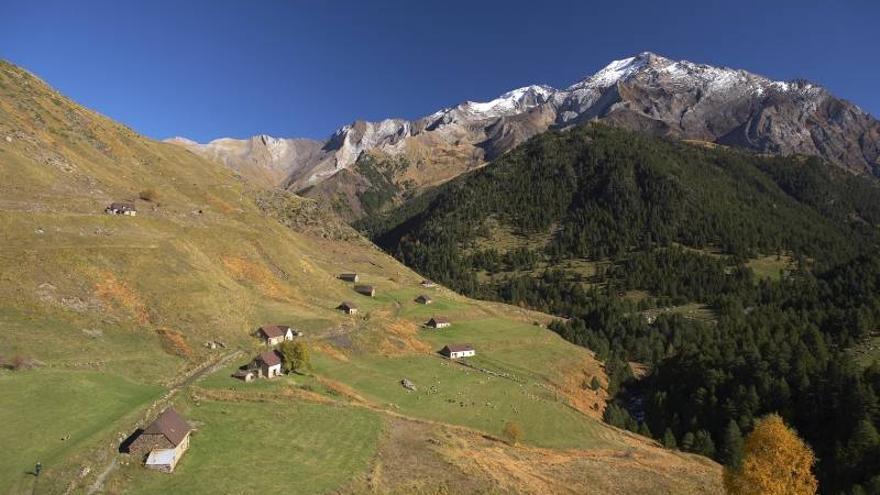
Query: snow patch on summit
[[512, 102], [618, 70]]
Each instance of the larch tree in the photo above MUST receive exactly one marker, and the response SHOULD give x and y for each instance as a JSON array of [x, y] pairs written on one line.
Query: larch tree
[[775, 462]]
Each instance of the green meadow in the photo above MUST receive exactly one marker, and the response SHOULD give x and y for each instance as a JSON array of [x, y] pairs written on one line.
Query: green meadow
[[55, 417], [257, 447]]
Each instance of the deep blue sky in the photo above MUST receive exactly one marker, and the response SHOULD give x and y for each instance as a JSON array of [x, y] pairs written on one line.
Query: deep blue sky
[[302, 68]]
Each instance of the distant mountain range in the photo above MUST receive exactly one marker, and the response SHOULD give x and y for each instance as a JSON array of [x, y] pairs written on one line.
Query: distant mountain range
[[646, 92]]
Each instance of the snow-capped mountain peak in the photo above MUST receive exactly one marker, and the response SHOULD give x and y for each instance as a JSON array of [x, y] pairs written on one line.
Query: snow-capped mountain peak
[[646, 92], [621, 70], [513, 101], [617, 70]]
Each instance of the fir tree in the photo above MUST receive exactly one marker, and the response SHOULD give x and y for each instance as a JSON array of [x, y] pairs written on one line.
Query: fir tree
[[731, 452]]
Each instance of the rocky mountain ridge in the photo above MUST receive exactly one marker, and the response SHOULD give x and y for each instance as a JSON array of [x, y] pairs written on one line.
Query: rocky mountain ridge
[[646, 92]]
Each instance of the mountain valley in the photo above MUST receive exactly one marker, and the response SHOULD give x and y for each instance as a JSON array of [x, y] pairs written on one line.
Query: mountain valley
[[107, 319]]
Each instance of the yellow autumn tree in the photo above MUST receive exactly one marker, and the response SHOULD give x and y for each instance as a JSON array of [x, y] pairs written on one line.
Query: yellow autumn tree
[[775, 462]]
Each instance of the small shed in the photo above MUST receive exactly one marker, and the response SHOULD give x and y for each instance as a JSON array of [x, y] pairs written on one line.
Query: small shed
[[121, 208], [349, 277], [423, 299], [456, 351], [275, 334], [348, 308], [439, 322], [268, 364], [367, 290], [245, 375]]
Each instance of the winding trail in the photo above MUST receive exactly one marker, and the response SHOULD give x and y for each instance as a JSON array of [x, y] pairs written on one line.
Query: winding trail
[[179, 384]]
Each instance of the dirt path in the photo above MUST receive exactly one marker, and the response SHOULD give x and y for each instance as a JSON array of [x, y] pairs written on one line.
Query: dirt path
[[176, 387], [99, 481]]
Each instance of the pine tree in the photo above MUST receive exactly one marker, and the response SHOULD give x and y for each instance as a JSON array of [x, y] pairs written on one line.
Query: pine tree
[[687, 442], [669, 439], [864, 439], [703, 444], [731, 451]]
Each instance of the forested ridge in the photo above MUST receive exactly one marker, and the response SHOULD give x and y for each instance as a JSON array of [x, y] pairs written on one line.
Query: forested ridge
[[679, 222]]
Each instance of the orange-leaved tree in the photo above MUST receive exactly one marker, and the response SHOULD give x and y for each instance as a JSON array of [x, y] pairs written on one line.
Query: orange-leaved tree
[[775, 462]]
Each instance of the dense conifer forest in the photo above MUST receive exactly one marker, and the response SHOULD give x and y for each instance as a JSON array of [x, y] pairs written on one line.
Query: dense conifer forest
[[678, 223]]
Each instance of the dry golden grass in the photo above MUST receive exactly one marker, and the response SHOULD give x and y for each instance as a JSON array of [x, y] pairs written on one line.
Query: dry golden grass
[[420, 457], [644, 469], [245, 270], [575, 388], [401, 337], [342, 389], [220, 205]]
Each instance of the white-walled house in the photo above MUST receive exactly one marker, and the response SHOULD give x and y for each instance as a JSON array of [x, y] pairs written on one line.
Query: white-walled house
[[456, 351], [439, 322], [268, 364]]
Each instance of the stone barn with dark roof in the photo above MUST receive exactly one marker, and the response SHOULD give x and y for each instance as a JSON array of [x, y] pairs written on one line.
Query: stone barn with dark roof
[[367, 290], [348, 308], [268, 364], [275, 334], [165, 440]]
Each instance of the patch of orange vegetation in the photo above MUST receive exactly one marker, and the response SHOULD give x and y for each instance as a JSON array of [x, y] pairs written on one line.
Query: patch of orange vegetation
[[112, 291], [174, 343], [401, 337], [243, 269], [330, 350]]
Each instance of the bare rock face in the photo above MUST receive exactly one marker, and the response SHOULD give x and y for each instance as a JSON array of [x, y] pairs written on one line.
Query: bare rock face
[[264, 159], [646, 92]]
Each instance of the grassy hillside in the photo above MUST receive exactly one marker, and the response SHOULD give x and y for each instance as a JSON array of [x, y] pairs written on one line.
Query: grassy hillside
[[112, 314]]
